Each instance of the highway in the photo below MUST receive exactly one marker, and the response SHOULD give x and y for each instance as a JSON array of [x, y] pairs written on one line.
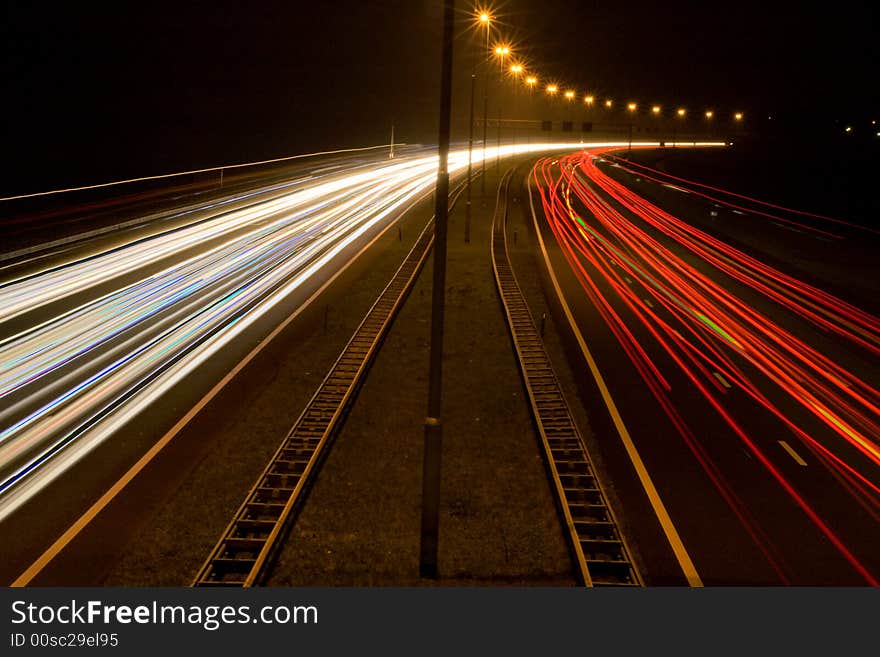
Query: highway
[[108, 340], [723, 341]]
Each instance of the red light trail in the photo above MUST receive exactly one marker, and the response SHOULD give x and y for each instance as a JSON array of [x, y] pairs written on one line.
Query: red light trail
[[711, 308]]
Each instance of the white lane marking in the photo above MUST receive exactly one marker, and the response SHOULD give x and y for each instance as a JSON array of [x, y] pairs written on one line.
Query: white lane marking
[[678, 189], [791, 228], [627, 279], [648, 303], [793, 454], [738, 212], [721, 379]]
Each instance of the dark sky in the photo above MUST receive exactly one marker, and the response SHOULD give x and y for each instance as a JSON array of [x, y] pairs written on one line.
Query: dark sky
[[94, 91]]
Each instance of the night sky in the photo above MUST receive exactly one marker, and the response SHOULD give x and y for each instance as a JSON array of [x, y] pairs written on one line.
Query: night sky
[[97, 91]]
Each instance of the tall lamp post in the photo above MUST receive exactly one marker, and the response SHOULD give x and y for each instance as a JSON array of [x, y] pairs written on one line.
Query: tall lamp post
[[608, 115], [569, 96], [552, 89], [482, 17], [588, 101], [709, 115], [738, 117], [501, 51], [631, 107], [655, 111], [516, 71], [433, 428], [486, 20], [680, 112], [531, 81]]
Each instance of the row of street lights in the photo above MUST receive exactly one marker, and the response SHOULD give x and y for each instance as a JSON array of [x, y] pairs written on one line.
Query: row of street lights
[[517, 69], [502, 50]]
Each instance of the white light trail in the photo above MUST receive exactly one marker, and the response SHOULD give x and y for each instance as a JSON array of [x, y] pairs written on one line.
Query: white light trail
[[107, 335]]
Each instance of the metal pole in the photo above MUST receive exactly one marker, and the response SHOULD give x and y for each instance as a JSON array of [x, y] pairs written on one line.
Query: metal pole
[[485, 112], [500, 87], [433, 427], [391, 152], [467, 205]]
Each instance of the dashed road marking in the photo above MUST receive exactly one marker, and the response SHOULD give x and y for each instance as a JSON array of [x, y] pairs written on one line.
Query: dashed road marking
[[721, 379], [793, 454]]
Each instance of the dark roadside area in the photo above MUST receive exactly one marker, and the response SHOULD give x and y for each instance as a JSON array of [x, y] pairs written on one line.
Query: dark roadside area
[[829, 175]]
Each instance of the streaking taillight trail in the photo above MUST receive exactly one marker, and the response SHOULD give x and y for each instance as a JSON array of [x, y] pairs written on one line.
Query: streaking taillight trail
[[689, 300]]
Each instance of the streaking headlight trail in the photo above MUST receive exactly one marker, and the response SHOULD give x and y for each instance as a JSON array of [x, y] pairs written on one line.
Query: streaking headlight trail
[[89, 344]]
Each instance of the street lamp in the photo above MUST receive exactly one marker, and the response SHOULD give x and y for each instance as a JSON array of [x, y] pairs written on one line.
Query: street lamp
[[516, 70], [588, 101], [709, 114], [681, 111], [738, 116], [655, 111], [501, 51], [531, 81], [483, 18], [552, 89], [632, 107], [569, 96]]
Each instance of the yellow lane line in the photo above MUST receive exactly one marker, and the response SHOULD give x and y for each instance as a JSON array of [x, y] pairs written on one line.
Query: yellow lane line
[[662, 514], [793, 454], [64, 540]]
